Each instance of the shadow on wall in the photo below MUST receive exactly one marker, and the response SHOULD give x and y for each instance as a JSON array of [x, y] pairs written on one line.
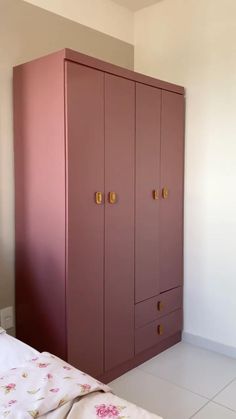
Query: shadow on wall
[[6, 282]]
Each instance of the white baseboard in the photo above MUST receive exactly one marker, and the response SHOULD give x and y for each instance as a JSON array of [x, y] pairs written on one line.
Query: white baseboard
[[211, 345]]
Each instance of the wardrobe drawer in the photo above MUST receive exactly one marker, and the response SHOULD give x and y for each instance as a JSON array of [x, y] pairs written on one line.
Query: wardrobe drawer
[[151, 334], [156, 307]]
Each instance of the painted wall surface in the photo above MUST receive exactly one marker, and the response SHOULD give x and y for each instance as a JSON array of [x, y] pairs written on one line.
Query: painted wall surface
[[27, 32], [192, 43], [102, 15]]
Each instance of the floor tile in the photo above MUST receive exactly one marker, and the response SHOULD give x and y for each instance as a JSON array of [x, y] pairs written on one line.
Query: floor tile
[[157, 395], [228, 396], [198, 370], [214, 411]]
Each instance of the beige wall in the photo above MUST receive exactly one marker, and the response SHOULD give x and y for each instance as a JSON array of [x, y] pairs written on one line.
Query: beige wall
[[192, 42], [27, 32], [103, 15]]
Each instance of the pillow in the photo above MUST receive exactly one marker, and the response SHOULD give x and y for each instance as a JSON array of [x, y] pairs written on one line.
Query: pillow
[[13, 353]]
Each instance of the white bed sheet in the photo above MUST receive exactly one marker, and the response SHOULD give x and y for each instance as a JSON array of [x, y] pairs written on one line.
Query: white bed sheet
[[13, 352]]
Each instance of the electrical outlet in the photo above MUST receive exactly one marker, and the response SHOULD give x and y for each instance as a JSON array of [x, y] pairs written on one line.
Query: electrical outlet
[[7, 318]]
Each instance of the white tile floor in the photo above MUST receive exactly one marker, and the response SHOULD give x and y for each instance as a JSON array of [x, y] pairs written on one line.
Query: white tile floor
[[183, 382]]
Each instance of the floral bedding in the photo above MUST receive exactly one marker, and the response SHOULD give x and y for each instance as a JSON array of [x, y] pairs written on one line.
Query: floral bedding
[[49, 388]]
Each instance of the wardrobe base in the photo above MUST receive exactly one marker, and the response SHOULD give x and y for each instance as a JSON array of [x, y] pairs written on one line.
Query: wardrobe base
[[140, 358]]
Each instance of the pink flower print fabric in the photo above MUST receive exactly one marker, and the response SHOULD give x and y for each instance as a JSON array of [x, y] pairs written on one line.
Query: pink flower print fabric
[[108, 411], [42, 385]]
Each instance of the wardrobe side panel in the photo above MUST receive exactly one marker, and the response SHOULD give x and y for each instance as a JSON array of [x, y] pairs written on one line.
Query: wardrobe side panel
[[172, 172], [85, 218], [119, 220], [40, 204], [148, 150]]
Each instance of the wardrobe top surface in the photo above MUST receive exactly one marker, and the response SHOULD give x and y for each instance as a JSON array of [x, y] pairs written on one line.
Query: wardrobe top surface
[[77, 57]]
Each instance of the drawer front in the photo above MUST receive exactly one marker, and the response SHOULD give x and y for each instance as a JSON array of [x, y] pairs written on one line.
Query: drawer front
[[153, 333], [159, 306]]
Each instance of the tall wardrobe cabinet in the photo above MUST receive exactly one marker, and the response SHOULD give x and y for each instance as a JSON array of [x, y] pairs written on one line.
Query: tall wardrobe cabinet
[[99, 213]]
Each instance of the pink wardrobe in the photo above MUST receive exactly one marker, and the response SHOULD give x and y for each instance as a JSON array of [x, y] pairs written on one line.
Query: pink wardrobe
[[99, 155]]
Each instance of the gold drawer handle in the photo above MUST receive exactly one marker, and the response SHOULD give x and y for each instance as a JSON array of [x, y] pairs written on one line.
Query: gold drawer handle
[[112, 197], [160, 306], [98, 198], [155, 194], [165, 193], [160, 330]]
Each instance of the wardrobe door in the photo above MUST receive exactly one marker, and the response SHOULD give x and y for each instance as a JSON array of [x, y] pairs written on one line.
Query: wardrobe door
[[85, 217], [172, 164], [119, 220], [148, 148]]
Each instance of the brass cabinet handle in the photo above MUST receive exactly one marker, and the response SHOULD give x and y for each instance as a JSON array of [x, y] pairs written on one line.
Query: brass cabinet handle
[[155, 194], [160, 330], [160, 306], [98, 198], [165, 192], [112, 197]]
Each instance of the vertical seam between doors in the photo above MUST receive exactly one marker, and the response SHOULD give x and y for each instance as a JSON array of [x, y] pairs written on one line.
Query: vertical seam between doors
[[104, 222], [65, 75], [135, 180], [160, 202]]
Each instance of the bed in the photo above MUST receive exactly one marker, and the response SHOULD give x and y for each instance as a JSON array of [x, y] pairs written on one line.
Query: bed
[[40, 385]]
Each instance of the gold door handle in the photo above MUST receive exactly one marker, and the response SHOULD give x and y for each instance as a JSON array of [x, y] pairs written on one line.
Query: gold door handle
[[160, 306], [98, 198], [160, 330], [155, 194], [112, 197], [165, 192]]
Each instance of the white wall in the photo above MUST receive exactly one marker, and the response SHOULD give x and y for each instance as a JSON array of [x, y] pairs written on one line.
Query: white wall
[[192, 43], [102, 15]]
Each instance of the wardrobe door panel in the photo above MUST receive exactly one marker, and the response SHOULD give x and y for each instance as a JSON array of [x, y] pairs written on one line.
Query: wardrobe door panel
[[85, 218], [172, 164], [148, 148], [119, 220]]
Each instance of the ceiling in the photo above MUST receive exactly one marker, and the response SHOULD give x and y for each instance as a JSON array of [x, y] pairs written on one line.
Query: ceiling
[[136, 4]]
